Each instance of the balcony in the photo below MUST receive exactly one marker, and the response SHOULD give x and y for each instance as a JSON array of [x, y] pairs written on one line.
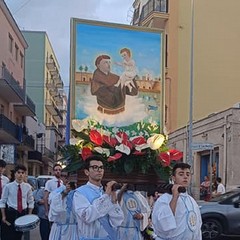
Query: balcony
[[35, 155], [58, 81], [53, 127], [58, 117], [51, 107], [47, 153], [27, 143], [11, 91], [27, 108], [51, 66], [153, 8], [8, 130]]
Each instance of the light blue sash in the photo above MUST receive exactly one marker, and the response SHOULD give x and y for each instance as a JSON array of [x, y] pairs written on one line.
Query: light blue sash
[[91, 194]]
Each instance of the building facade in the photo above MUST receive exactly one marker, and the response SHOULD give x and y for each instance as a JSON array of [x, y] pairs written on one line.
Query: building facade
[[15, 103], [215, 145], [215, 49], [45, 86], [209, 30]]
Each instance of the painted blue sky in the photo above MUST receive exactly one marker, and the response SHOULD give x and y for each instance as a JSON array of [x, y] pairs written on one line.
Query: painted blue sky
[[93, 40]]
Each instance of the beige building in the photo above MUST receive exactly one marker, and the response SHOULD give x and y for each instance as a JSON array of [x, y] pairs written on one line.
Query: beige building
[[216, 53]]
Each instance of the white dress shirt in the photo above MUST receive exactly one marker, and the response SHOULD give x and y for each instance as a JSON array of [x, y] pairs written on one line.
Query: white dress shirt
[[52, 184], [9, 195], [5, 181]]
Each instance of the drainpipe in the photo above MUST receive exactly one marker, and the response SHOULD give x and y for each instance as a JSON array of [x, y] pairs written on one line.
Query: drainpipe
[[225, 150]]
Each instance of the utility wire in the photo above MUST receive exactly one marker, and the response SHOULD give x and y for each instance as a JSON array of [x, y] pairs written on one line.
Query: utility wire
[[21, 7]]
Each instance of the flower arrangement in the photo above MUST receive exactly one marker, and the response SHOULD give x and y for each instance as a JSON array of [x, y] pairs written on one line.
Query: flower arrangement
[[137, 148]]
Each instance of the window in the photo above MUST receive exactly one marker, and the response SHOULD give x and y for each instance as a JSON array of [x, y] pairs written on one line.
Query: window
[[16, 52], [21, 59], [10, 43], [2, 109]]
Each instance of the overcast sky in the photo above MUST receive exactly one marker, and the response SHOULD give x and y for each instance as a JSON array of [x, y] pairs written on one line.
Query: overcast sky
[[53, 16]]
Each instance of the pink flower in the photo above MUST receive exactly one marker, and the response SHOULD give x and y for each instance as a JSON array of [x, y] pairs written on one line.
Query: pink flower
[[96, 137], [114, 157]]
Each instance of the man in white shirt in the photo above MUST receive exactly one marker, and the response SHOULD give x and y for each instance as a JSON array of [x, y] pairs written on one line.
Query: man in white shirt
[[220, 187], [3, 179], [97, 212], [50, 186], [17, 200]]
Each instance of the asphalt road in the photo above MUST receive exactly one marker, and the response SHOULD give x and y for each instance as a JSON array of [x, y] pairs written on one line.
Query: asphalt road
[[34, 235]]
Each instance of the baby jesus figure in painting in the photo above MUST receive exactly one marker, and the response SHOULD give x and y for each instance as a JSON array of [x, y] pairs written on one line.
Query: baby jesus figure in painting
[[130, 72]]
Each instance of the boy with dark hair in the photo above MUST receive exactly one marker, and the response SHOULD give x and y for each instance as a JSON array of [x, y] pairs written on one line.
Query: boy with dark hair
[[176, 216], [97, 212], [17, 200]]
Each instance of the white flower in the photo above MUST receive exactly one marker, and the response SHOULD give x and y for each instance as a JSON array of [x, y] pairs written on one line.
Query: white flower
[[101, 150], [75, 141], [142, 146], [123, 148], [156, 141], [80, 125]]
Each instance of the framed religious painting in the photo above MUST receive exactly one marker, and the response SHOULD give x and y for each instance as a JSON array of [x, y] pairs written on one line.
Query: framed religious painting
[[117, 76], [117, 98]]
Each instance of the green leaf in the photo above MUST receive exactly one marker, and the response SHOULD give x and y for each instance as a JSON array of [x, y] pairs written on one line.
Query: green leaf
[[128, 166]]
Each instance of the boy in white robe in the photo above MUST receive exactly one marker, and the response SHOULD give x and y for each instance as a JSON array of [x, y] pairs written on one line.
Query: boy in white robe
[[98, 213], [64, 223], [136, 213], [177, 216]]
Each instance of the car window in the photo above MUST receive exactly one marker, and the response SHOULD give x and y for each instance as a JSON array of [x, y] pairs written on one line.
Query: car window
[[33, 182], [225, 196]]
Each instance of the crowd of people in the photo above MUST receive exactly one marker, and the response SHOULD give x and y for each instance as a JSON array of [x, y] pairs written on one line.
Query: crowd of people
[[207, 191], [100, 211]]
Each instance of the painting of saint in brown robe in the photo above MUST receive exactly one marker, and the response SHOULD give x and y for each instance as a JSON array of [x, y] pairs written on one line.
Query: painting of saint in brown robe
[[105, 86]]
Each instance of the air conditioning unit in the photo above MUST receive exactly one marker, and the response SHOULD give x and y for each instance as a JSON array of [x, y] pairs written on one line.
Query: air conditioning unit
[[236, 105]]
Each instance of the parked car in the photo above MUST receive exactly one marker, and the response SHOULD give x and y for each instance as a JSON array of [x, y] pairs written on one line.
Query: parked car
[[33, 182], [221, 215], [42, 179]]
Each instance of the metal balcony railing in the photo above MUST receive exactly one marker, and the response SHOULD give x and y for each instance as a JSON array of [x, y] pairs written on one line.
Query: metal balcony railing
[[8, 126], [30, 104], [7, 76], [151, 6]]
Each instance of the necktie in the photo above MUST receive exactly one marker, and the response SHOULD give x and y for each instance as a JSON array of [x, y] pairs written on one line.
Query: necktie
[[19, 199], [0, 187], [58, 185]]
